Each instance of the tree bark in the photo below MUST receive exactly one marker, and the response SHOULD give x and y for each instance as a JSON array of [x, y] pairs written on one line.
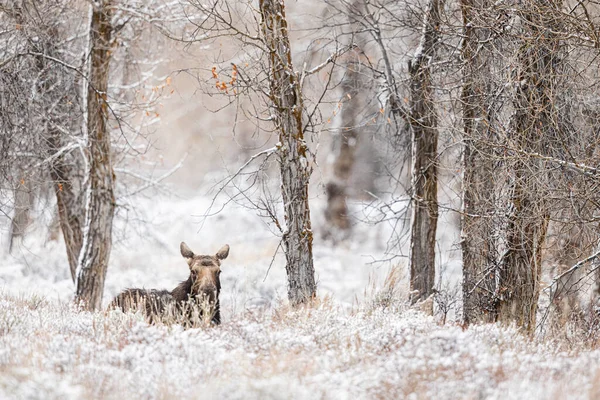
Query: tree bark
[[23, 203], [286, 102], [534, 126], [70, 213], [95, 251], [423, 120], [480, 269]]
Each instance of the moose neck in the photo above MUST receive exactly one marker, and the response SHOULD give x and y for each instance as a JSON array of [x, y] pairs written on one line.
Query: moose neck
[[183, 290]]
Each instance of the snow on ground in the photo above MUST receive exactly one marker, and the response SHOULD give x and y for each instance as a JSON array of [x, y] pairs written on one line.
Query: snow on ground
[[50, 351], [348, 346]]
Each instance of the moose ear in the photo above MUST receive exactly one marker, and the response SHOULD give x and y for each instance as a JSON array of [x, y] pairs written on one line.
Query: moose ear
[[223, 252], [185, 250]]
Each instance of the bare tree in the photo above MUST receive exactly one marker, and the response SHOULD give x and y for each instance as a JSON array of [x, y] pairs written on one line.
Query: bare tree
[[54, 119], [48, 122], [423, 121], [480, 271], [535, 126], [286, 103], [345, 152], [526, 132], [354, 98], [100, 201]]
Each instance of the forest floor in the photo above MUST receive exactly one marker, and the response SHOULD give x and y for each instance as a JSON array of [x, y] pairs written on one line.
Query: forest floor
[[359, 340]]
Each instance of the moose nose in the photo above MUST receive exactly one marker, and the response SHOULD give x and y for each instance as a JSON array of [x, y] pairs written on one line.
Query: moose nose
[[210, 292]]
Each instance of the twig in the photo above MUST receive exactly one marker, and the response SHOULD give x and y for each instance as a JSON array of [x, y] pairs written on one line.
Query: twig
[[266, 152], [272, 260], [575, 267], [150, 182]]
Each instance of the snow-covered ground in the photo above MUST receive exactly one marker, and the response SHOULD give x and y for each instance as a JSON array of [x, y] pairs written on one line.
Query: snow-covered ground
[[351, 345]]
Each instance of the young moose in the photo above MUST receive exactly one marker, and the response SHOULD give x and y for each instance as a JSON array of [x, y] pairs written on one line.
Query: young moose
[[197, 297]]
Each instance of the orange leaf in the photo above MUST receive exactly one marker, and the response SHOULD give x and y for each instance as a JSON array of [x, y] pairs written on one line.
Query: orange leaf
[[214, 72]]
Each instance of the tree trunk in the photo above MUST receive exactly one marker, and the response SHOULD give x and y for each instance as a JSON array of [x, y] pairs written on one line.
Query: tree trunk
[[70, 213], [23, 203], [346, 141], [480, 284], [337, 209], [534, 127], [286, 102], [423, 120], [95, 251]]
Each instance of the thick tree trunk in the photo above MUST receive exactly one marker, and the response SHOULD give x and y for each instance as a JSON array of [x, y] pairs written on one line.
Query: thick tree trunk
[[480, 283], [95, 251], [423, 121], [534, 126], [287, 107], [521, 266]]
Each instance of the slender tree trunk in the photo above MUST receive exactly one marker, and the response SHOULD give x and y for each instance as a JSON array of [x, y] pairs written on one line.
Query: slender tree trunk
[[423, 121], [348, 136], [70, 212], [286, 102], [23, 202], [95, 251], [480, 284], [345, 154]]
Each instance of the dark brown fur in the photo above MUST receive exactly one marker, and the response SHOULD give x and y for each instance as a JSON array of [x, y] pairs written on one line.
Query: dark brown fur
[[189, 301]]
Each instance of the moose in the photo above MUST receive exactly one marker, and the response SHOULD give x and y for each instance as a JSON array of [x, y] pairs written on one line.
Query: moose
[[194, 299]]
